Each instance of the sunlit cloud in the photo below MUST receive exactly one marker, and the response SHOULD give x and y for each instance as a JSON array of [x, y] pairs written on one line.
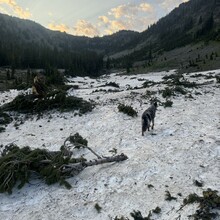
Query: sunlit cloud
[[58, 27], [104, 19], [84, 28], [121, 10], [168, 5], [114, 26], [146, 7], [15, 8], [128, 17], [129, 10]]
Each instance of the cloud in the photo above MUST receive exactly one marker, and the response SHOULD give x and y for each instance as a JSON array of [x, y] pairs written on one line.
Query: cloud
[[121, 10], [84, 28], [128, 17], [58, 27], [104, 19], [146, 7], [168, 5], [16, 9], [115, 26], [123, 17], [129, 10]]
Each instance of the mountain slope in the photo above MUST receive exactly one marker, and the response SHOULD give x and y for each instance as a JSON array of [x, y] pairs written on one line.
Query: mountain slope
[[25, 32], [24, 43], [191, 22]]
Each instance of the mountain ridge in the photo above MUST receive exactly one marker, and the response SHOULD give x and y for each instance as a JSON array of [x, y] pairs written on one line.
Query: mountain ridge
[[191, 22]]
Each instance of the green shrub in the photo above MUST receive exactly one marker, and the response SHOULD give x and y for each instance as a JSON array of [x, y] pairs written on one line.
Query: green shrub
[[127, 110], [157, 210], [188, 84], [4, 120], [173, 77], [207, 205], [178, 80], [168, 196], [113, 84], [121, 218], [180, 90], [98, 207], [2, 129], [168, 103], [136, 215], [167, 92], [78, 140], [148, 83], [217, 78]]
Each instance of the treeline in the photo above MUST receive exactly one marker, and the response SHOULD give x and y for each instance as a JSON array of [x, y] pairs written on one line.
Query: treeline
[[40, 56]]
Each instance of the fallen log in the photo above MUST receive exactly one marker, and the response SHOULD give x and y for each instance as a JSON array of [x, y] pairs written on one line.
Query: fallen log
[[74, 169]]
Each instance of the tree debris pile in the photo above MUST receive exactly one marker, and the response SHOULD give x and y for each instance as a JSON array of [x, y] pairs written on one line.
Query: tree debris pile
[[53, 100], [17, 165]]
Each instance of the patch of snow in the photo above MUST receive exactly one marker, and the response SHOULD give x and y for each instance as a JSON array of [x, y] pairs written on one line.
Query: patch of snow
[[185, 146]]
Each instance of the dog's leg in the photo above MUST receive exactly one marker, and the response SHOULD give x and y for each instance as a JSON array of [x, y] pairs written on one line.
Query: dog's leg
[[152, 127]]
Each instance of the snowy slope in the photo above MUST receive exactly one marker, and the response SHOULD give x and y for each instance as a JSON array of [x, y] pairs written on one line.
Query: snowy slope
[[184, 147]]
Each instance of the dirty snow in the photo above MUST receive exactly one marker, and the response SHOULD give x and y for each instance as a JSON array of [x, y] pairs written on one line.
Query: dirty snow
[[184, 147]]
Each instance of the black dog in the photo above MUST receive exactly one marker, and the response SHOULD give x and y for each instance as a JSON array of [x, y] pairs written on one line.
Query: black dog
[[148, 117]]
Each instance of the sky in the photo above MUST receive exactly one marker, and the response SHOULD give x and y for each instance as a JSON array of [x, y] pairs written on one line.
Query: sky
[[90, 17]]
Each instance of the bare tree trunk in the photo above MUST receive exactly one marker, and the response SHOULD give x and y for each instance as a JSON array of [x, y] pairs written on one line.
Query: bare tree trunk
[[74, 169], [116, 158]]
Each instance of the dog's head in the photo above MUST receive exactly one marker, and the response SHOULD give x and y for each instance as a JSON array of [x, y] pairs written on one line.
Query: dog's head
[[153, 101]]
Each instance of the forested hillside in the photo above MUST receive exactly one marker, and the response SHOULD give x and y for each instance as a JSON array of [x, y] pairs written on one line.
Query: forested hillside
[[26, 44], [192, 22]]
